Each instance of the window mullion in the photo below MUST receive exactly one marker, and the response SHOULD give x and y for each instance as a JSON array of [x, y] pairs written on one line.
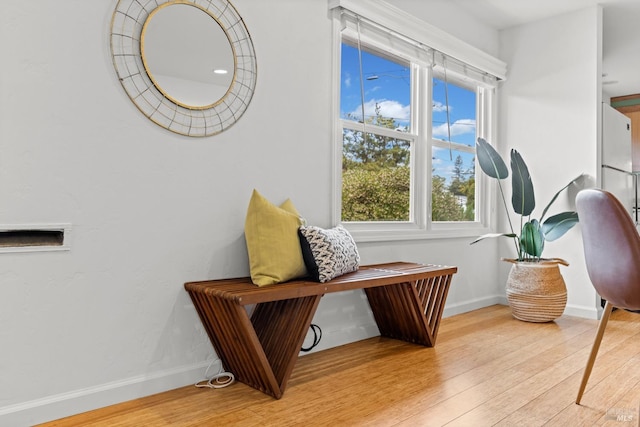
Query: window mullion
[[455, 145], [420, 114], [371, 128]]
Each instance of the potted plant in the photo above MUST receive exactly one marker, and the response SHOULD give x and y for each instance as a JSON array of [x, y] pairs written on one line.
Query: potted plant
[[535, 288]]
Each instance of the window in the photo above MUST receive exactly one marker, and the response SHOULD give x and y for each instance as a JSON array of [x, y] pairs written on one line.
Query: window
[[453, 126], [376, 157], [407, 120]]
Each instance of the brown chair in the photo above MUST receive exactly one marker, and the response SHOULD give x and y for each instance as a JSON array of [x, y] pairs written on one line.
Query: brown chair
[[612, 255]]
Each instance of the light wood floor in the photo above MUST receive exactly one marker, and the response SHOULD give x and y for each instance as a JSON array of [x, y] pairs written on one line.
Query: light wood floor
[[486, 369]]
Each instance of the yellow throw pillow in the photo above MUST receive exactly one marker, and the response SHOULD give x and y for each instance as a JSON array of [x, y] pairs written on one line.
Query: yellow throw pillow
[[271, 233]]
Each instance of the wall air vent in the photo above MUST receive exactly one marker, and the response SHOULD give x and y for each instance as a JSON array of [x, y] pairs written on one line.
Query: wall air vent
[[33, 238]]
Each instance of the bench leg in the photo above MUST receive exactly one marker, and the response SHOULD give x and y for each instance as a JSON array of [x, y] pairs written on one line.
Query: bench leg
[[260, 350], [281, 327], [410, 311]]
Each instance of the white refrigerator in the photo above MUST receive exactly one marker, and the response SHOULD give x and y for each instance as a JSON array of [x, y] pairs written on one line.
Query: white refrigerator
[[617, 173]]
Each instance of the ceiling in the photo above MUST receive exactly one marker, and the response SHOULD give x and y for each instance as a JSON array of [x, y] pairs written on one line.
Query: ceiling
[[621, 32]]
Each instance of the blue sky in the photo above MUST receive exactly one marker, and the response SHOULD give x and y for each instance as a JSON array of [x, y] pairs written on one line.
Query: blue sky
[[386, 83]]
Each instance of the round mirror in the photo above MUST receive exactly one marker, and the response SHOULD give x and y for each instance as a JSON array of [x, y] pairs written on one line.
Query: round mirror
[[187, 55], [171, 57]]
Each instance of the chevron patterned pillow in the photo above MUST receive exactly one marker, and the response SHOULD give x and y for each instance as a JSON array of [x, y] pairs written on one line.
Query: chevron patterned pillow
[[328, 253]]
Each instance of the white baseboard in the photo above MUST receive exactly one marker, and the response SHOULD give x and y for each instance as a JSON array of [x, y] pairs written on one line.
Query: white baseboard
[[466, 306], [346, 335], [582, 311], [585, 312], [367, 328], [78, 401], [83, 400]]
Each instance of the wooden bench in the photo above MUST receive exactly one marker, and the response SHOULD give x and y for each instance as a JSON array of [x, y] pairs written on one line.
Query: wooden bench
[[260, 346]]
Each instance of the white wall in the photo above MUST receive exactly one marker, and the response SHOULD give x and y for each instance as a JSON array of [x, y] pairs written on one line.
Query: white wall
[[450, 17], [550, 112], [109, 320]]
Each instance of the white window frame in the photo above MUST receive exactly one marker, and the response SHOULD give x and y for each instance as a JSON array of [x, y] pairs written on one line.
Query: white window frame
[[404, 26]]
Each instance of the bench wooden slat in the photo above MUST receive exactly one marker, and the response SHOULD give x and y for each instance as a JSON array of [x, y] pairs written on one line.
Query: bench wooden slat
[[260, 349], [244, 292]]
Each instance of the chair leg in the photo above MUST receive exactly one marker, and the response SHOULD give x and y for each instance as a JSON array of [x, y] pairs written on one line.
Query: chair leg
[[594, 349]]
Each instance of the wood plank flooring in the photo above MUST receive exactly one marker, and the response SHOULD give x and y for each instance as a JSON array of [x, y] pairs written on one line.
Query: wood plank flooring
[[487, 369]]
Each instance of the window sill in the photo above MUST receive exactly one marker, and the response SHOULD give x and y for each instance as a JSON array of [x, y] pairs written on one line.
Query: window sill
[[361, 235]]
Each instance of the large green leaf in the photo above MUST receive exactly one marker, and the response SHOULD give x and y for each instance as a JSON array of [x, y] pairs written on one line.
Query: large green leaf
[[553, 199], [490, 161], [490, 235], [532, 239], [557, 225], [522, 196]]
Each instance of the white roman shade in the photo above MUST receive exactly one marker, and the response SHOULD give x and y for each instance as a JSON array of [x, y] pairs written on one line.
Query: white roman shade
[[375, 22]]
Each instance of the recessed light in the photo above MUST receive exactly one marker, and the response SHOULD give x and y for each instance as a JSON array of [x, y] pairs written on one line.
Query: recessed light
[[220, 71]]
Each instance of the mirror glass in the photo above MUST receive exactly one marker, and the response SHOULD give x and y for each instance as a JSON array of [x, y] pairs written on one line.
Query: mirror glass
[[166, 53], [187, 55]]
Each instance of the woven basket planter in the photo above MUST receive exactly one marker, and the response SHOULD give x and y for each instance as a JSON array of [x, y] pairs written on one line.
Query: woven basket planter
[[536, 290]]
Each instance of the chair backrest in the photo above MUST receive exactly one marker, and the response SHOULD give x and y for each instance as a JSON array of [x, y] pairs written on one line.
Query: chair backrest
[[611, 247]]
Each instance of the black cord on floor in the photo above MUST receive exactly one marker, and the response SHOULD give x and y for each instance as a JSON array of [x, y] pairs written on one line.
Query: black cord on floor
[[317, 336]]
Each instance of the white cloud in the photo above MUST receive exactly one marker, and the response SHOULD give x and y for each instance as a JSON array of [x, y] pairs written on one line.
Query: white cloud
[[439, 107], [387, 109], [347, 80], [459, 127], [440, 166]]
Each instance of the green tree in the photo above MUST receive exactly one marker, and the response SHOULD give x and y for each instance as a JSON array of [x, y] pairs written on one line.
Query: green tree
[[374, 151], [376, 179], [376, 195], [445, 206], [469, 191], [458, 179]]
